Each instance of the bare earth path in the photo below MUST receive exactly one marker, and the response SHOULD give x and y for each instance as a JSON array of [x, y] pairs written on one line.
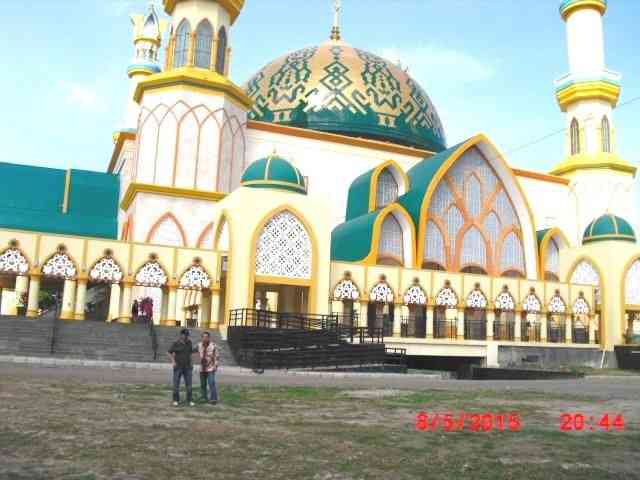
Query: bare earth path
[[85, 423]]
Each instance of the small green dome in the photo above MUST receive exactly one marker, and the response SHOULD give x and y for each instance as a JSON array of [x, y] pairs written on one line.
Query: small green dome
[[274, 172], [609, 227]]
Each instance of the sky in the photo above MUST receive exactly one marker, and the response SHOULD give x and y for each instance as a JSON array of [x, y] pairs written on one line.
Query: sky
[[488, 66]]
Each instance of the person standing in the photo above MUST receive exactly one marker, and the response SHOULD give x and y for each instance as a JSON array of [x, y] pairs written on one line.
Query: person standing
[[135, 308], [180, 354], [208, 367], [148, 310]]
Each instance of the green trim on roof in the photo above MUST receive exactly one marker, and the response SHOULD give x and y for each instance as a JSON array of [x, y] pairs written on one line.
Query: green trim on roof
[[351, 241], [358, 198], [420, 177], [270, 186], [608, 227], [32, 197], [281, 170], [540, 234], [255, 171]]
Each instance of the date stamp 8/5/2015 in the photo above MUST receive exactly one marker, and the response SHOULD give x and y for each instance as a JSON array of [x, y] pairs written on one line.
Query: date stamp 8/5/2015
[[473, 422]]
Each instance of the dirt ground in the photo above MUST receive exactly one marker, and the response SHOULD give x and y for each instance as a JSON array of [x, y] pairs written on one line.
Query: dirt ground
[[85, 423]]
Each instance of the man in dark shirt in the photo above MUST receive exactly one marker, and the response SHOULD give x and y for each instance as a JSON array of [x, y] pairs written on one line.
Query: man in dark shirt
[[180, 354]]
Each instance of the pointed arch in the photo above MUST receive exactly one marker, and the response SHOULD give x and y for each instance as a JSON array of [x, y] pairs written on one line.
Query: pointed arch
[[222, 238], [14, 261], [500, 177], [205, 239], [415, 295], [510, 254], [574, 134], [182, 44], [408, 234], [476, 299], [151, 274], [605, 130], [169, 221], [195, 277], [60, 265], [346, 289], [473, 249], [398, 175], [381, 292], [204, 42], [221, 54], [631, 282], [106, 270], [552, 239], [435, 251], [447, 297]]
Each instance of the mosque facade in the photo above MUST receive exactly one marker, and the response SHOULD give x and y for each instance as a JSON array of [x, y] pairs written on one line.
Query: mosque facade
[[326, 184]]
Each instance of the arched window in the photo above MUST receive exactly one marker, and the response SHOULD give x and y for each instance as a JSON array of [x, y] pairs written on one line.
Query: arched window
[[204, 39], [387, 189], [284, 248], [106, 270], [472, 193], [221, 54], [167, 231], [391, 246], [60, 265], [606, 135], [195, 278], [151, 274], [586, 274], [575, 137], [632, 284], [183, 40], [552, 262], [13, 261]]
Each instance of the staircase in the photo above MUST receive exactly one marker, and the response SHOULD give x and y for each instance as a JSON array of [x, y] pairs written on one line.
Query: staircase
[[93, 340]]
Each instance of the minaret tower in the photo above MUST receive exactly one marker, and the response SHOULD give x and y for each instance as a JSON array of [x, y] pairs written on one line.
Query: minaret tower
[[190, 129], [147, 38], [601, 181]]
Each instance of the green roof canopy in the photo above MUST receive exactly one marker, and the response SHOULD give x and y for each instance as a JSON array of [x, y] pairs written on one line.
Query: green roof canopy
[[608, 227], [274, 172]]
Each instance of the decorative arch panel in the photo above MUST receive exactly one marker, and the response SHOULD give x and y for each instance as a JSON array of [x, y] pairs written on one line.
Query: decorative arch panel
[[13, 261]]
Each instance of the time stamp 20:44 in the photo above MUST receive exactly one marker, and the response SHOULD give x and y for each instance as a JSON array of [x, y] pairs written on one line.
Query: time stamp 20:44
[[512, 422]]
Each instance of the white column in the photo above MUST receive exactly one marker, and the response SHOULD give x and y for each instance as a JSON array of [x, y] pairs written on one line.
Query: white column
[[568, 331], [363, 314], [114, 303], [68, 300], [81, 298], [22, 287], [397, 320], [592, 329], [34, 294], [543, 326], [491, 318], [430, 312], [460, 329]]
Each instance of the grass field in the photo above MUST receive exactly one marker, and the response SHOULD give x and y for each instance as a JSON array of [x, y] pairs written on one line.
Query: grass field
[[86, 431]]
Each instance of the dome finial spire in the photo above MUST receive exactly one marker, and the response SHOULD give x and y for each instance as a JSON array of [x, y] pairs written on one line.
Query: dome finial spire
[[337, 12]]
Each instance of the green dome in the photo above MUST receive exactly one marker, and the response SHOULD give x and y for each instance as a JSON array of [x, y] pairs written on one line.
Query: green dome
[[339, 89], [275, 173], [609, 227]]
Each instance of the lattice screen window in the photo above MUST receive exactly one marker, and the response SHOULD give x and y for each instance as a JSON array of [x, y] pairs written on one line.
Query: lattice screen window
[[606, 135], [581, 307], [13, 261], [106, 270], [471, 193], [435, 250], [381, 293], [476, 299], [182, 41], [552, 261], [447, 298], [195, 278], [391, 239], [387, 191], [473, 249], [557, 305], [60, 265], [151, 274], [505, 302], [512, 257], [632, 284], [284, 248], [415, 296], [532, 304], [346, 290]]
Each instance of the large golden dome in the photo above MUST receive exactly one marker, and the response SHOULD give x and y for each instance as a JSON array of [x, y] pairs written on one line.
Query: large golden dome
[[336, 88]]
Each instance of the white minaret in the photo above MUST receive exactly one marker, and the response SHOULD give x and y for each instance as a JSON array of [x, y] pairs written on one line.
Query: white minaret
[[601, 181], [147, 38]]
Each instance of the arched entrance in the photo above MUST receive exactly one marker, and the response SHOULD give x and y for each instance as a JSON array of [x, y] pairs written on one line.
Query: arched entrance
[[475, 315], [531, 324], [380, 310], [151, 279], [57, 287], [556, 321], [284, 265], [415, 299], [195, 283], [14, 268], [346, 292], [505, 319], [445, 314], [632, 303], [103, 290]]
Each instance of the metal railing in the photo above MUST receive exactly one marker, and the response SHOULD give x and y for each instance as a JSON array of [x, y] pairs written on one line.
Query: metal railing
[[504, 331], [445, 329], [247, 317], [475, 329], [413, 327], [579, 334], [530, 332], [54, 326], [556, 332]]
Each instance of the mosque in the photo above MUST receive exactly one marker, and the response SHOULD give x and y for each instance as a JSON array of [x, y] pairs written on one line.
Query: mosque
[[326, 184]]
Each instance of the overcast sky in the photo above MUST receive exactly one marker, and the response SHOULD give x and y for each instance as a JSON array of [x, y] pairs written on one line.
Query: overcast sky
[[488, 66]]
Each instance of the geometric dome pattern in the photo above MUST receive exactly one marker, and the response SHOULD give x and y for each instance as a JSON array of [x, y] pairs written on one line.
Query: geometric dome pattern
[[274, 172], [608, 227], [339, 89]]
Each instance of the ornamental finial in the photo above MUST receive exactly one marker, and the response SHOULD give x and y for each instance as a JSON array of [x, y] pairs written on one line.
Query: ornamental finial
[[337, 12]]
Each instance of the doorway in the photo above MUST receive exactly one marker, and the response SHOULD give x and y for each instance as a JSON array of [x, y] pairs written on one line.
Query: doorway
[[281, 298]]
